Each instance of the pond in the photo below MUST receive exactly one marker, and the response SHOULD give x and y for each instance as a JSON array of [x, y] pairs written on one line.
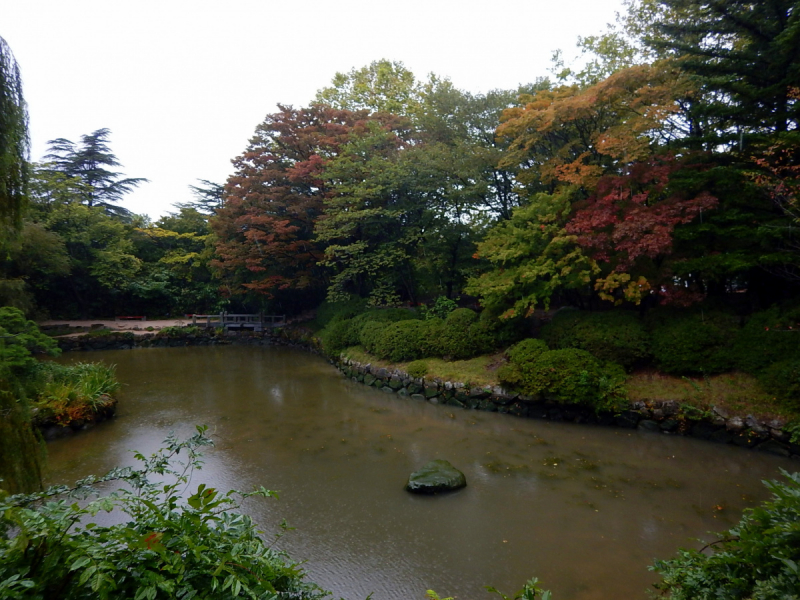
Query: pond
[[584, 508]]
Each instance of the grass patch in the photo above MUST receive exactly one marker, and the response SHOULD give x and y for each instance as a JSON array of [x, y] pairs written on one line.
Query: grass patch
[[67, 393], [479, 371], [739, 393]]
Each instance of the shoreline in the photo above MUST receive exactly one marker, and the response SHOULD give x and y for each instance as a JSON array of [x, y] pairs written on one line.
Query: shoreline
[[670, 417]]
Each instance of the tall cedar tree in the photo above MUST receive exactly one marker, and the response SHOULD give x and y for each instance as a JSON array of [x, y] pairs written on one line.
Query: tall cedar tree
[[264, 230], [89, 162]]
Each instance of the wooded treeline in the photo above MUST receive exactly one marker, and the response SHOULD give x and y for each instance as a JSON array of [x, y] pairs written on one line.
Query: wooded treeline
[[662, 170]]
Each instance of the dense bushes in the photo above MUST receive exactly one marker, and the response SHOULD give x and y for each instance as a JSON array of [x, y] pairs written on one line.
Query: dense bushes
[[693, 343], [566, 376], [344, 329], [170, 544], [403, 341], [616, 336], [464, 336], [767, 337], [398, 335], [782, 379], [758, 558]]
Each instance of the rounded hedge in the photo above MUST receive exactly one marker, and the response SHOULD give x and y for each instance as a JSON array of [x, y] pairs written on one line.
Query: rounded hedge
[[766, 338], [617, 335], [370, 334], [782, 379], [402, 341], [565, 376], [338, 335], [690, 344], [464, 336], [520, 357], [417, 369]]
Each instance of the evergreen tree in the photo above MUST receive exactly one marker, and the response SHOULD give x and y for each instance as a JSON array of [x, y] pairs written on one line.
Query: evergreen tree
[[746, 55], [90, 162]]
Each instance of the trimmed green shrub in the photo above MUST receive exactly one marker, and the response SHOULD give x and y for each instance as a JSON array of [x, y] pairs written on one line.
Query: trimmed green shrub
[[417, 369], [566, 376], [341, 333], [527, 351], [404, 340], [616, 335], [569, 376], [370, 334], [521, 356], [688, 344], [463, 336], [338, 335], [782, 379], [767, 337]]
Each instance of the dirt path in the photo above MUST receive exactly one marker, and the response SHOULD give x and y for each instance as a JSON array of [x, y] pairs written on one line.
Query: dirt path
[[137, 327]]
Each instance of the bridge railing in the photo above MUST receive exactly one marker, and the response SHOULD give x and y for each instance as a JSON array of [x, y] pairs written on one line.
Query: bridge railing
[[239, 320]]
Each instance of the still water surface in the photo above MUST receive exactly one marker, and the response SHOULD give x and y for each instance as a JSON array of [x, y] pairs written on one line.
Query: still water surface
[[586, 509]]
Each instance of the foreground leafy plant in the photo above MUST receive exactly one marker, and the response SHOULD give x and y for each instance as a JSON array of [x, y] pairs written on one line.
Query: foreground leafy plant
[[530, 591], [757, 559], [169, 547]]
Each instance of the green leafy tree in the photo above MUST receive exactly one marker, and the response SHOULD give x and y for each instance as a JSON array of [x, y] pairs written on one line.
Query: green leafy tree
[[175, 277], [101, 256], [14, 142], [382, 86], [28, 261], [533, 258]]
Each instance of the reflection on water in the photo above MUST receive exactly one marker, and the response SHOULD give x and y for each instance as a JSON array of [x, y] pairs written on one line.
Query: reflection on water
[[583, 508]]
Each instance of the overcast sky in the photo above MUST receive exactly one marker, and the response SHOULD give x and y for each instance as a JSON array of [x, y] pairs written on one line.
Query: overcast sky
[[183, 84]]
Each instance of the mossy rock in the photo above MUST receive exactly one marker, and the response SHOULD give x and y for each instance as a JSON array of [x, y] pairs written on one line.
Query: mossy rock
[[435, 477]]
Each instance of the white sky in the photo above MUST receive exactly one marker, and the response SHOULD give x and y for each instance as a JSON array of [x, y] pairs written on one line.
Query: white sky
[[183, 84]]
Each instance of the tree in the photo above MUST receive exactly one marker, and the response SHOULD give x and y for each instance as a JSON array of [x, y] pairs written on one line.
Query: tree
[[372, 222], [382, 86], [88, 163], [208, 197], [747, 54], [627, 227], [265, 247], [14, 143], [574, 136], [533, 258]]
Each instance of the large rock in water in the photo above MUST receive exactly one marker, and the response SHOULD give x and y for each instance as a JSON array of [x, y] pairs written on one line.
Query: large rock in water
[[437, 476]]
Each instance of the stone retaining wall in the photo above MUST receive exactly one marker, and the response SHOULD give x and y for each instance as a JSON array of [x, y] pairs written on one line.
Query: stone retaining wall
[[658, 416]]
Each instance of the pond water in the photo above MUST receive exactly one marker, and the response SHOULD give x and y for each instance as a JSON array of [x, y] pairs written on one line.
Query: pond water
[[584, 508]]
